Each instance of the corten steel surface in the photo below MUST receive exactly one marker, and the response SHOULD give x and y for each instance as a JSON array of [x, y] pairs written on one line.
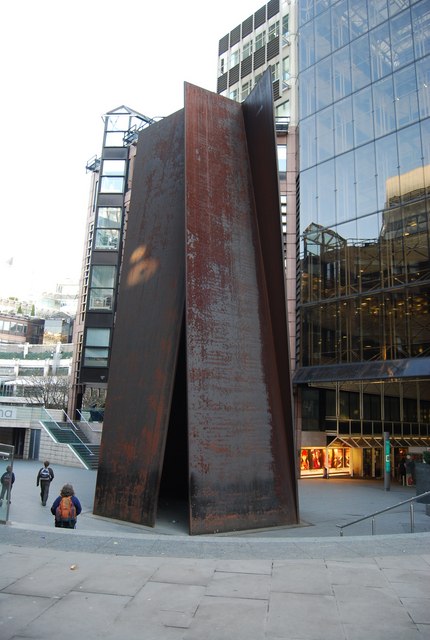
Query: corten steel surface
[[241, 458], [147, 330], [261, 137]]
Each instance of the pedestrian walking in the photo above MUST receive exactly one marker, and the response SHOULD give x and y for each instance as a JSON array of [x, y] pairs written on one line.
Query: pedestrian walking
[[410, 470], [44, 479], [66, 508], [402, 472], [7, 480]]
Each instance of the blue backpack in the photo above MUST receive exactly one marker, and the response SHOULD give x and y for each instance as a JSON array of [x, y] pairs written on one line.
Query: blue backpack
[[44, 474]]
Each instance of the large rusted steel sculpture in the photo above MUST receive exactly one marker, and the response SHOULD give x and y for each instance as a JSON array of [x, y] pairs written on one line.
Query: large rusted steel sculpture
[[199, 399]]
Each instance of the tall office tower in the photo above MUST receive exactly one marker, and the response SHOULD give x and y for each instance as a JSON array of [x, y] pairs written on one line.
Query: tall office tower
[[106, 223], [268, 37], [363, 281]]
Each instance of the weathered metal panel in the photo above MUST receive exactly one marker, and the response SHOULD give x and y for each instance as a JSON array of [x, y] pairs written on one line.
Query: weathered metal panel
[[239, 462], [261, 139], [147, 330]]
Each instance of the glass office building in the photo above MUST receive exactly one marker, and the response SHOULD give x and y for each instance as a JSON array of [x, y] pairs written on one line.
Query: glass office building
[[364, 131], [358, 90], [351, 87]]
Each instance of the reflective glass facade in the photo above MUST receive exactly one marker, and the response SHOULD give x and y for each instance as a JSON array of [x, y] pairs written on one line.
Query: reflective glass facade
[[364, 181]]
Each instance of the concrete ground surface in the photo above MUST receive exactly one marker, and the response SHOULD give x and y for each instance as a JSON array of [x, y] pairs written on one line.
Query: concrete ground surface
[[108, 579]]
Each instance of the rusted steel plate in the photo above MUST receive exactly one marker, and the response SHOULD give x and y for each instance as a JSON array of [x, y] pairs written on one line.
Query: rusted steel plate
[[147, 330], [261, 138], [239, 459]]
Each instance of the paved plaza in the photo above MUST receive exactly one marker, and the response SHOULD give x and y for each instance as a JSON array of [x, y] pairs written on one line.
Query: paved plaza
[[109, 579]]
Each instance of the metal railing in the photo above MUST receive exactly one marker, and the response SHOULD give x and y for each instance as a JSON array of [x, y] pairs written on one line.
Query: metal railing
[[83, 419], [394, 506], [73, 429]]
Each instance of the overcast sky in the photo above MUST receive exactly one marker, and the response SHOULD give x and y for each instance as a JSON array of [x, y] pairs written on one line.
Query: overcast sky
[[64, 65]]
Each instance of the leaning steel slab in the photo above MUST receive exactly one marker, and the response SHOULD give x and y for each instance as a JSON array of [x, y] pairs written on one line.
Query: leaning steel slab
[[147, 330], [239, 456]]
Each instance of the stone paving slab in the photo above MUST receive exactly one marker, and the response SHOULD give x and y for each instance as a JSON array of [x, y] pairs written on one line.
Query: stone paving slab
[[172, 598], [298, 583]]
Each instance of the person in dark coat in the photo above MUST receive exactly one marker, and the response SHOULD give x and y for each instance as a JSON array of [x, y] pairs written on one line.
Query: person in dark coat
[[7, 480], [402, 472], [66, 508], [410, 470], [44, 478]]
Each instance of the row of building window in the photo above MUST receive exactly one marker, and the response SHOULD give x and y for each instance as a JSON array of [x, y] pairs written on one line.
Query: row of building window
[[319, 405], [9, 326], [241, 93], [341, 75], [240, 53], [374, 177], [391, 42]]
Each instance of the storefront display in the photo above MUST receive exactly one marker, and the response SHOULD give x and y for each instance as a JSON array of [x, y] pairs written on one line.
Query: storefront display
[[313, 461]]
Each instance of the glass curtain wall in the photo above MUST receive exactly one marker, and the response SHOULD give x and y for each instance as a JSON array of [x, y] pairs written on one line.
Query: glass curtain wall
[[364, 180]]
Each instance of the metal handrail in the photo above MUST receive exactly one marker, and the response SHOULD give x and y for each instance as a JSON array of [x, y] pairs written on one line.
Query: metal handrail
[[91, 453], [82, 418], [377, 513]]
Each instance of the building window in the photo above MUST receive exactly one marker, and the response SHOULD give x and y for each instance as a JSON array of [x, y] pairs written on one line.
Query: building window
[[247, 50], [102, 287], [110, 184], [260, 40], [113, 172], [113, 168], [275, 71], [273, 31], [107, 239], [283, 110], [286, 73], [282, 160], [96, 352], [234, 58], [116, 126], [234, 94], [222, 66], [108, 228], [285, 31], [246, 89]]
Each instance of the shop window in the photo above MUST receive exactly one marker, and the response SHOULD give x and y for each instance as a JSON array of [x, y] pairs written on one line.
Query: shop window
[[314, 461]]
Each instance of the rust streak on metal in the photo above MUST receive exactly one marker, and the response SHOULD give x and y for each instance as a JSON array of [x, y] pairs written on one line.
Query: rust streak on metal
[[147, 331], [238, 455]]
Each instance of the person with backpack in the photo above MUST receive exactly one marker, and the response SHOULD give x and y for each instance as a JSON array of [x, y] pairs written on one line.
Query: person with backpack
[[7, 480], [66, 508], [44, 478]]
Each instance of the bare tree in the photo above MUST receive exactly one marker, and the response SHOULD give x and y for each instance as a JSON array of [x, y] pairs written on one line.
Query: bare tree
[[51, 391]]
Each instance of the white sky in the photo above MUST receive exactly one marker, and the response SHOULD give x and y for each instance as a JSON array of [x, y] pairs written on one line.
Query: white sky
[[64, 65]]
